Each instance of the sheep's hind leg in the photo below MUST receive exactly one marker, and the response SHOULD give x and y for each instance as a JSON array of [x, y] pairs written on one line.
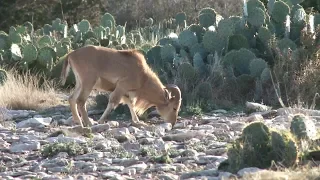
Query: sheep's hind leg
[[73, 106]]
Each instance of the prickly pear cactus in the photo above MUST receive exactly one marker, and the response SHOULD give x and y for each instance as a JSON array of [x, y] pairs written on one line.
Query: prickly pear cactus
[[256, 133], [257, 65], [253, 4], [84, 26], [264, 34], [265, 75], [187, 72], [154, 56], [286, 43], [303, 127], [239, 60], [3, 76], [47, 57], [62, 49], [47, 29], [181, 17], [207, 17], [167, 53], [100, 32], [30, 53], [199, 64], [14, 36], [3, 40], [295, 2], [280, 11], [56, 24], [256, 145], [92, 41], [29, 27], [197, 48], [237, 42], [89, 34], [284, 148], [108, 20], [199, 30], [256, 17], [44, 41], [212, 42], [187, 38]]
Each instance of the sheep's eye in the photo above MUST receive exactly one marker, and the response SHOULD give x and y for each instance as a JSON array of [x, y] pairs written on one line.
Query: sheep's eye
[[174, 109]]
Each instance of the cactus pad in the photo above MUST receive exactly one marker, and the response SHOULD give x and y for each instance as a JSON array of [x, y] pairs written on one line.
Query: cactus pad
[[187, 38], [212, 42], [187, 72], [284, 148], [44, 41], [303, 127], [47, 56], [154, 55], [207, 17], [199, 64], [47, 29], [264, 34], [14, 36], [237, 42], [257, 65], [280, 11], [84, 26], [62, 49], [256, 17], [30, 53], [198, 48], [3, 40], [108, 20], [167, 53], [198, 30], [253, 4], [88, 35], [256, 133], [56, 24], [29, 27], [100, 32], [286, 43], [180, 18], [265, 75]]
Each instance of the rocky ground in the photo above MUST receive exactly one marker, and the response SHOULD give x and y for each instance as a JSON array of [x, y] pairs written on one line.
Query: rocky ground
[[31, 146]]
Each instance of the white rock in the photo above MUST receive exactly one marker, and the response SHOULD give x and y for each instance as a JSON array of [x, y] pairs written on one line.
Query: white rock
[[250, 170], [34, 122], [25, 147]]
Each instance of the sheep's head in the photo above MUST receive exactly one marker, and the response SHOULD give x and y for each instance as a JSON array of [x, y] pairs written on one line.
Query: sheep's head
[[169, 111]]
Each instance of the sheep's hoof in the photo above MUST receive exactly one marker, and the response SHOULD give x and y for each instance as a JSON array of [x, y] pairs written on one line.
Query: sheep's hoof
[[101, 121], [90, 123]]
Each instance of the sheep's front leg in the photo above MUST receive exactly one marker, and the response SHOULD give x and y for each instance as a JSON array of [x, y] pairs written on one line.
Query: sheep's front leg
[[134, 118]]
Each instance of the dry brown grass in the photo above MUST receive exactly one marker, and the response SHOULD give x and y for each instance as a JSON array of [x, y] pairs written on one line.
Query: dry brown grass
[[288, 174], [22, 92]]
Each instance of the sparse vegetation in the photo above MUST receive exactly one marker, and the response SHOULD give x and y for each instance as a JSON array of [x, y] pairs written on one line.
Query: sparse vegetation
[[28, 91], [72, 148]]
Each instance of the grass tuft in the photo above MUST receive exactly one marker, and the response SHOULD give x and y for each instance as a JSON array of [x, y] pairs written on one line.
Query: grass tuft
[[23, 91]]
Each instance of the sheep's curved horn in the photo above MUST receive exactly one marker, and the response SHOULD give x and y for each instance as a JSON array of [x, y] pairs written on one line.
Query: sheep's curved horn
[[175, 91]]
